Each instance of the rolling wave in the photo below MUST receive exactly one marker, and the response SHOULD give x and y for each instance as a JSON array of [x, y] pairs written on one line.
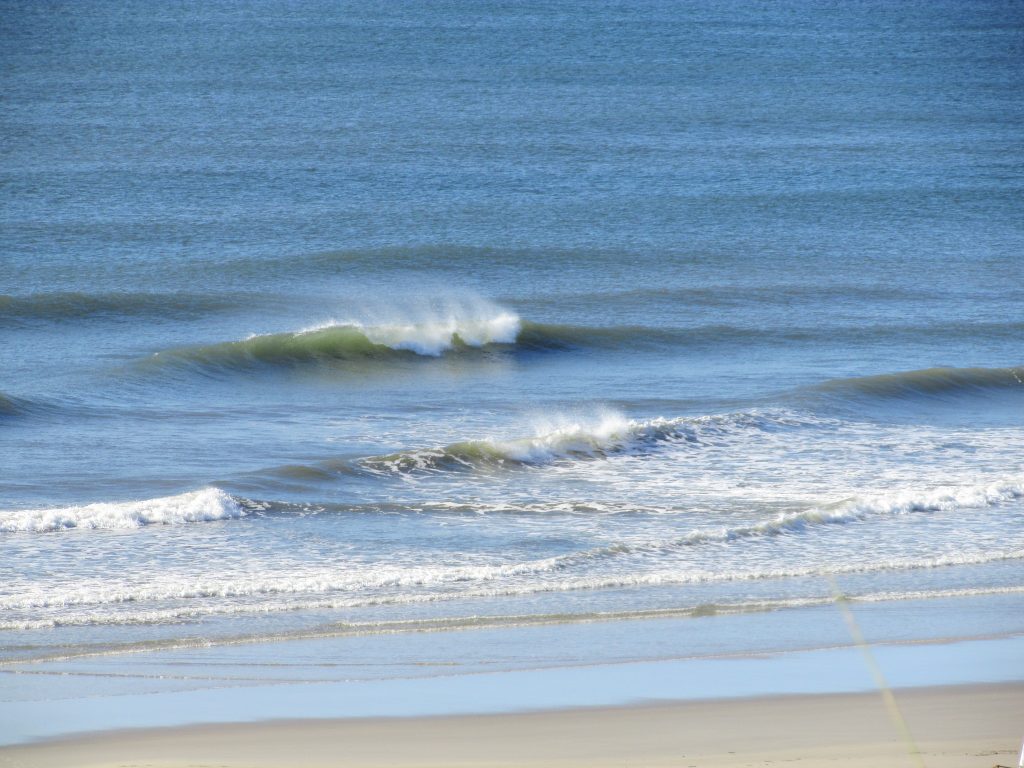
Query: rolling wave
[[928, 382], [433, 338], [196, 506]]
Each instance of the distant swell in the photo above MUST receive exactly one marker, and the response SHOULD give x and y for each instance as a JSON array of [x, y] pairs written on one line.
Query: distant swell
[[197, 506], [64, 307], [928, 382]]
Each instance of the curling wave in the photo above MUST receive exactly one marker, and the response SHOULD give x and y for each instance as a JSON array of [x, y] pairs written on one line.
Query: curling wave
[[354, 340], [197, 506]]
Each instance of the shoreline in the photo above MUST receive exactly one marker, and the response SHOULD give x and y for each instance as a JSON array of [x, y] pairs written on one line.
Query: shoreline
[[963, 725], [489, 673]]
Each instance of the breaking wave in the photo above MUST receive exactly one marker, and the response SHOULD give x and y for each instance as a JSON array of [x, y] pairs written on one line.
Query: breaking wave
[[608, 435], [430, 336], [197, 506]]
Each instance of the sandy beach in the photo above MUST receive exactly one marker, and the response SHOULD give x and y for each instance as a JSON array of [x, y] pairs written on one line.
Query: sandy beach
[[952, 726]]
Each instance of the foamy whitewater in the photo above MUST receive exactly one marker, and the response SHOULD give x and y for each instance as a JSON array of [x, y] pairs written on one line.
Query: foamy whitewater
[[404, 320]]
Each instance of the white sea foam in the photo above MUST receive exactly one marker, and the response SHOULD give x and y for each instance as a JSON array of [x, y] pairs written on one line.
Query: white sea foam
[[400, 585], [197, 506], [665, 562], [100, 613], [846, 511]]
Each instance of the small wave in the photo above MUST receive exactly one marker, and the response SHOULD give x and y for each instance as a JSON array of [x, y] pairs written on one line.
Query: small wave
[[838, 513], [927, 382], [197, 506]]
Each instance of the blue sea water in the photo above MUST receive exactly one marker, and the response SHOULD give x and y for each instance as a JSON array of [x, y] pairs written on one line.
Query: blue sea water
[[397, 316]]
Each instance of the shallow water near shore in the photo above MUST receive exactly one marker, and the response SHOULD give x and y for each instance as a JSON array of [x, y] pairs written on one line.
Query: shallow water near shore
[[507, 669], [340, 325]]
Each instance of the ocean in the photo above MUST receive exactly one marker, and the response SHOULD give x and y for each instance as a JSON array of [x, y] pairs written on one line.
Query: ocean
[[365, 319]]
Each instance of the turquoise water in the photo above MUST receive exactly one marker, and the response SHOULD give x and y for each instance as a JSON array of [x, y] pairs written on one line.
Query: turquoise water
[[408, 316]]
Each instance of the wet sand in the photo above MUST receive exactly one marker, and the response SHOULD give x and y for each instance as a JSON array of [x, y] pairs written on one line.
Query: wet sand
[[971, 725]]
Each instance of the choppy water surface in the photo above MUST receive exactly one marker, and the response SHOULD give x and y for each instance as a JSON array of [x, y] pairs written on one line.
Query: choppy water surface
[[368, 318]]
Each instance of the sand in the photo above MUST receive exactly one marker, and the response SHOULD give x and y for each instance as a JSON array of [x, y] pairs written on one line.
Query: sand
[[959, 726]]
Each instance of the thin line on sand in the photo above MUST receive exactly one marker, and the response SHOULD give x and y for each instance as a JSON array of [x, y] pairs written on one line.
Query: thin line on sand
[[961, 726]]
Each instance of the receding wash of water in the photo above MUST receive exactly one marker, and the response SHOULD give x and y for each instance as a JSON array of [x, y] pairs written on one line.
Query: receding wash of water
[[336, 328]]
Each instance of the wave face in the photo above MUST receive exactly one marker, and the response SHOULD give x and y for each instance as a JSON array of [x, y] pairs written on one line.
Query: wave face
[[10, 406], [431, 334], [928, 382], [194, 507]]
